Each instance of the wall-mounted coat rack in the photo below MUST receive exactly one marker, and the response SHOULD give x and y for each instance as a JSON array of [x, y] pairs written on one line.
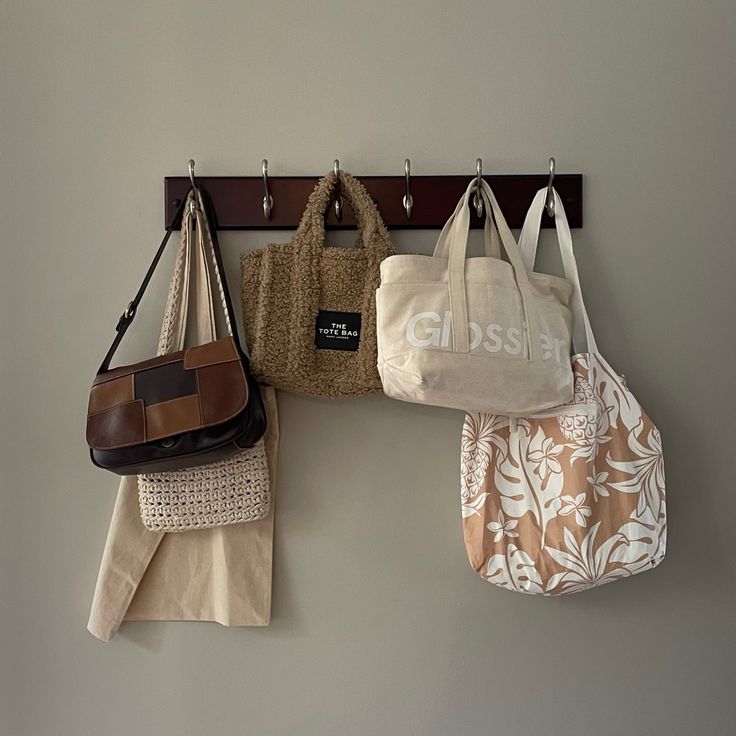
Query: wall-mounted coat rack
[[406, 202]]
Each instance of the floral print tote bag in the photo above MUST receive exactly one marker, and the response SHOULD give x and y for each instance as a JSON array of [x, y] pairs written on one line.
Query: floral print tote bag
[[571, 498]]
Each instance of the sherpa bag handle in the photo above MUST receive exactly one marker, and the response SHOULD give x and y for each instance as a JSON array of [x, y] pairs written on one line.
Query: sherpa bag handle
[[309, 241], [311, 235]]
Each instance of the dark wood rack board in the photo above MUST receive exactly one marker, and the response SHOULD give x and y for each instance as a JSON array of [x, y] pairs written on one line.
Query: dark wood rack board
[[238, 200]]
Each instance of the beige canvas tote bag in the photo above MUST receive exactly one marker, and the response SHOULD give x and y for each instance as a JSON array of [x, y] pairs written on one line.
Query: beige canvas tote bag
[[571, 498], [230, 491], [478, 334], [221, 574], [309, 310]]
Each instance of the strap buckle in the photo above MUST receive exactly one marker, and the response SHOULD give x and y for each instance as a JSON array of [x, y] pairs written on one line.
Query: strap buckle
[[126, 316]]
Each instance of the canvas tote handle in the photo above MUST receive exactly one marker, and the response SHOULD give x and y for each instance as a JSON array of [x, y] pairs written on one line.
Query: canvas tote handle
[[582, 333], [458, 240], [195, 246], [491, 242]]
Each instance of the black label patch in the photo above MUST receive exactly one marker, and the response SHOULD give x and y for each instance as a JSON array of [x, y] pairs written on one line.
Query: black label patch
[[337, 331]]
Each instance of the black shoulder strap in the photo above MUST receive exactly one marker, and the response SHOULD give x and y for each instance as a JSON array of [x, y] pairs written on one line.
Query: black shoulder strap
[[126, 318]]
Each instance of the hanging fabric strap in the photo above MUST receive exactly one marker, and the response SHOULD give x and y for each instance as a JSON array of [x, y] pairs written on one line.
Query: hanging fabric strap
[[491, 241], [582, 333], [191, 263], [127, 317], [201, 209], [455, 241]]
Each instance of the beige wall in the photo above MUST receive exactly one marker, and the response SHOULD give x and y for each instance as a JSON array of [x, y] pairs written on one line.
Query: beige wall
[[380, 626]]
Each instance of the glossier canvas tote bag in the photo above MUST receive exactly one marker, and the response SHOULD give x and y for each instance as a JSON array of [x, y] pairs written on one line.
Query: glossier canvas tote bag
[[477, 334], [571, 498]]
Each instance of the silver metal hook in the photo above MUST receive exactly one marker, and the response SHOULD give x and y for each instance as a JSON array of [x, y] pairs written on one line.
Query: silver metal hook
[[193, 202], [549, 202], [267, 198], [338, 196], [477, 200], [408, 199]]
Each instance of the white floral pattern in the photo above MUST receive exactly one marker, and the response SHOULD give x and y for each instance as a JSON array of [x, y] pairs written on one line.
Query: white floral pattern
[[521, 486], [576, 507], [646, 468], [597, 482], [514, 569], [471, 506], [503, 528], [545, 459], [570, 499], [585, 564]]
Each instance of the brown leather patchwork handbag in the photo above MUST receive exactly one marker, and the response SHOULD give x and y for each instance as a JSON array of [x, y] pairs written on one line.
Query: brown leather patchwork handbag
[[187, 408]]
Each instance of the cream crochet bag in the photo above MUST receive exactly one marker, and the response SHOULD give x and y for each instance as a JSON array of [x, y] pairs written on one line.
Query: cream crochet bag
[[230, 491]]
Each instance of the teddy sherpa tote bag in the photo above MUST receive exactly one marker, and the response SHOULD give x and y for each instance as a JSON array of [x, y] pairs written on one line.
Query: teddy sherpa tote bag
[[478, 334], [309, 310], [568, 499]]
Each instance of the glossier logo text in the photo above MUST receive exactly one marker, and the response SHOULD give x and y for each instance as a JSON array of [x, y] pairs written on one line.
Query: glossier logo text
[[428, 329]]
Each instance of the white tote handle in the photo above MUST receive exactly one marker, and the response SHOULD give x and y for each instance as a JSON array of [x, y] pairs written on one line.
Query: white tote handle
[[491, 243], [191, 260], [529, 235], [582, 333], [457, 228], [206, 325]]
